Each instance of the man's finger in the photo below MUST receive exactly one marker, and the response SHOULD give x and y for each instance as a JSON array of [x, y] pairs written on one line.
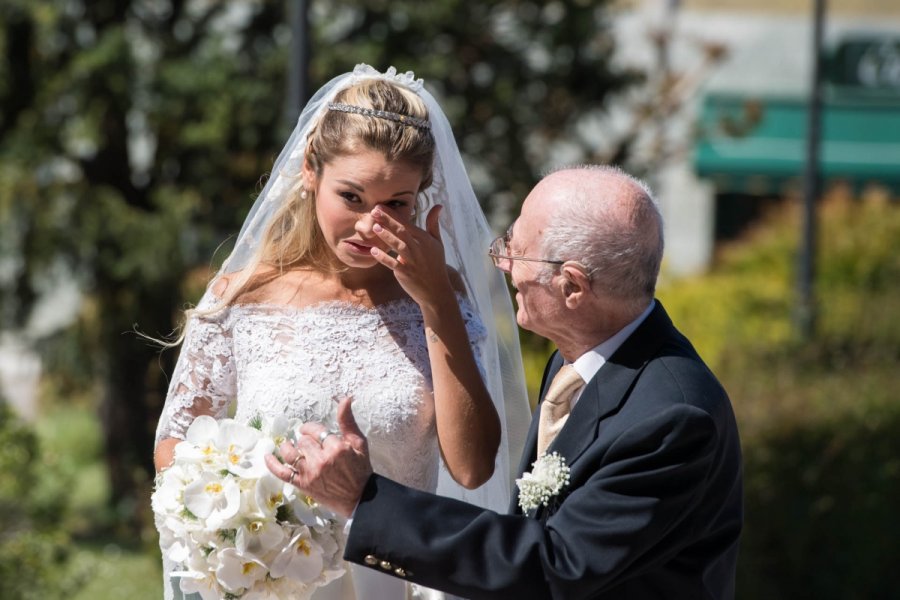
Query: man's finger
[[313, 430], [346, 421], [279, 469], [289, 453], [308, 443]]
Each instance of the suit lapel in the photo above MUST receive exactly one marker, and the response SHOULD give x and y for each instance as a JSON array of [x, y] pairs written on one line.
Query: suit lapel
[[601, 396]]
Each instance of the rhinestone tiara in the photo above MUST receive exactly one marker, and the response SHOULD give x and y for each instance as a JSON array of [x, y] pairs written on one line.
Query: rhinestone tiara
[[381, 114]]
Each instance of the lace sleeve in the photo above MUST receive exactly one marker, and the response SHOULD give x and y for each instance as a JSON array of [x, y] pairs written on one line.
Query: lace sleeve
[[204, 382]]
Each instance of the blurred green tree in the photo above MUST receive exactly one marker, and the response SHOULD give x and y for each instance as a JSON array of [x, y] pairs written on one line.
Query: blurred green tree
[[133, 134]]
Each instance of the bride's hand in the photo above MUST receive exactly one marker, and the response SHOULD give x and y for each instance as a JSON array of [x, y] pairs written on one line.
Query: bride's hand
[[416, 255]]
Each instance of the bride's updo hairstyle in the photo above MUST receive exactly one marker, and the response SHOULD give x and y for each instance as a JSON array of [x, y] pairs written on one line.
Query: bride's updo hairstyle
[[341, 133]]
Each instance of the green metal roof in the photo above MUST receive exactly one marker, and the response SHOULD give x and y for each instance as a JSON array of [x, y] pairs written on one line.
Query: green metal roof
[[757, 144]]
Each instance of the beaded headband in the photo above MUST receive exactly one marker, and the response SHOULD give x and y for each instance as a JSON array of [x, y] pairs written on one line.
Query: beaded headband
[[381, 114]]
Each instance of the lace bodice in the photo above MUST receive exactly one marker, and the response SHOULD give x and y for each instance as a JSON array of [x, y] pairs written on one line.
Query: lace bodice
[[282, 360]]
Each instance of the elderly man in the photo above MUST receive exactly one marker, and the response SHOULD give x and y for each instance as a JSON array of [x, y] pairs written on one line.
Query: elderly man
[[636, 487]]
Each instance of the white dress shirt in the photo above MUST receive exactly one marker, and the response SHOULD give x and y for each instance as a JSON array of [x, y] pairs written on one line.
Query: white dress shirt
[[590, 362]]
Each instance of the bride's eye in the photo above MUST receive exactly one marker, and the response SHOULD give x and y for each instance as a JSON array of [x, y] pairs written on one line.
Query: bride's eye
[[350, 197]]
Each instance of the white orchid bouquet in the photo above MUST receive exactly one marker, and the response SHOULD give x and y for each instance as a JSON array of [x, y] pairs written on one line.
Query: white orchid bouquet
[[231, 527]]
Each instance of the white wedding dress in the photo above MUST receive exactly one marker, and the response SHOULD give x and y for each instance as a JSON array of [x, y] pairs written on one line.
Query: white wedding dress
[[259, 359]]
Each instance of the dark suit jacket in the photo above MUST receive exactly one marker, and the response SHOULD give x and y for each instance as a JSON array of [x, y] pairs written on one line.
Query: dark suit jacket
[[653, 508]]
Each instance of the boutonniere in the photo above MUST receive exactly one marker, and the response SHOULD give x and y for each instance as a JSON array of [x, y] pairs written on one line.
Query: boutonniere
[[548, 476]]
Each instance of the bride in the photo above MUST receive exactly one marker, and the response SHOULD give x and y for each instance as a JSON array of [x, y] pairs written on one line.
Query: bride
[[334, 289]]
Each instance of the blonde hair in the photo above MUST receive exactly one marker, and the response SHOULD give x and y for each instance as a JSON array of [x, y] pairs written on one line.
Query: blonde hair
[[294, 238]]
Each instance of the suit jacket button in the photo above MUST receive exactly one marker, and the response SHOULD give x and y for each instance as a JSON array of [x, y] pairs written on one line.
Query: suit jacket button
[[386, 565], [370, 560], [399, 572]]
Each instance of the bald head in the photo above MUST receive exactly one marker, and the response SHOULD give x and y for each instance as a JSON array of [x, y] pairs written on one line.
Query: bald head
[[608, 221]]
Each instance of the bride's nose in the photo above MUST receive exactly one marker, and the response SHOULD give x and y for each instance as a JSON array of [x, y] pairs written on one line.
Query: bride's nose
[[364, 225]]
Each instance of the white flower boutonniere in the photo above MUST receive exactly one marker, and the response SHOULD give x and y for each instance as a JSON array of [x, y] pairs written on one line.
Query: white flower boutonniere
[[548, 477]]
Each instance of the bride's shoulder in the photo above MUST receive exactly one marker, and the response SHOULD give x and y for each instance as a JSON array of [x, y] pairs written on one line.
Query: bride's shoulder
[[265, 285]]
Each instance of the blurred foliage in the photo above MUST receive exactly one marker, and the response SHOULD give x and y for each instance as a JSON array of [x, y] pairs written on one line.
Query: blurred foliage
[[52, 496], [35, 550], [120, 571], [127, 149], [747, 298], [820, 421]]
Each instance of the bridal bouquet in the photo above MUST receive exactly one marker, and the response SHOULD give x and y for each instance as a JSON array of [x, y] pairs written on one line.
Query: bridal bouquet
[[233, 529]]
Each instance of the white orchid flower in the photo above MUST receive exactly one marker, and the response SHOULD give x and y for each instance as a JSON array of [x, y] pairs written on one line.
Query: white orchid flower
[[198, 582], [277, 589], [270, 494], [213, 499], [301, 559], [199, 444], [178, 552], [258, 537], [239, 444], [237, 572], [304, 508], [277, 428]]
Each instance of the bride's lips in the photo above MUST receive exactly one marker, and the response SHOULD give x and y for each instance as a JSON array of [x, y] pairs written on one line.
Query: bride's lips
[[359, 247]]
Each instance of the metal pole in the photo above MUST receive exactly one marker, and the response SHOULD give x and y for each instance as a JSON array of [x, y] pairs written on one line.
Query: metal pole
[[298, 62], [806, 309]]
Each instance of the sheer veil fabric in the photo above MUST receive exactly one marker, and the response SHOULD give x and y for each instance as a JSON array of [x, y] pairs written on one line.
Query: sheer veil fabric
[[465, 235]]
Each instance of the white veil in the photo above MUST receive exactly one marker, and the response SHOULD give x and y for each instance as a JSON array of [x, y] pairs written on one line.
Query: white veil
[[465, 235]]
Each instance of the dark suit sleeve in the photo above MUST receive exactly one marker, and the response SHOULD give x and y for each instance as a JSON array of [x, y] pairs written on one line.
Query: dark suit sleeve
[[630, 502]]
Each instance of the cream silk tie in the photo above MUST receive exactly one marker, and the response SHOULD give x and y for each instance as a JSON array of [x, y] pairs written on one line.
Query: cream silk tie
[[556, 405]]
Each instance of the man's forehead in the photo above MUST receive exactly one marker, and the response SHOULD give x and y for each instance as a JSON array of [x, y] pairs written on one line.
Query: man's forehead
[[527, 228]]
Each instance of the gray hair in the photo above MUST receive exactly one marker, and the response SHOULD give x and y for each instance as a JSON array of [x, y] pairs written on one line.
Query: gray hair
[[615, 231]]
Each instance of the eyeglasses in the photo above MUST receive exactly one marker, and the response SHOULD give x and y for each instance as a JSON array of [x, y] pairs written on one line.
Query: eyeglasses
[[499, 250]]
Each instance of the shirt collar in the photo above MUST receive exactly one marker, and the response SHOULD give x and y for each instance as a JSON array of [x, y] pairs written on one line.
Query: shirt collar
[[590, 362]]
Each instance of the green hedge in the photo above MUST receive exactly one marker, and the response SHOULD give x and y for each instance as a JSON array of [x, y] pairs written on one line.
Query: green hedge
[[821, 510], [820, 420]]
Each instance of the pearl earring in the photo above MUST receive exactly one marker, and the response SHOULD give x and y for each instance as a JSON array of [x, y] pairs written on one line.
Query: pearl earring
[[304, 194]]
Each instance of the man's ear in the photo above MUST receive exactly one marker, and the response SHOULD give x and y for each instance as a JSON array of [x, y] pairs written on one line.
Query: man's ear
[[574, 283]]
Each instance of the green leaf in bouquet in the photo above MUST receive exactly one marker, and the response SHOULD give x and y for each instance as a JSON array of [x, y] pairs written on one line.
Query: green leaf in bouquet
[[256, 423]]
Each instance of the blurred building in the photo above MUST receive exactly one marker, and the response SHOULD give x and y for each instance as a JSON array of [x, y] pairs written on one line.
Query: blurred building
[[745, 69]]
